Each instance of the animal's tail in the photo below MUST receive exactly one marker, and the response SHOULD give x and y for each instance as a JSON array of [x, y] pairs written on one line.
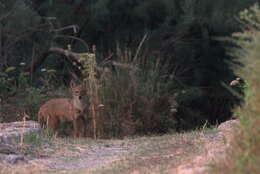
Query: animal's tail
[[41, 119]]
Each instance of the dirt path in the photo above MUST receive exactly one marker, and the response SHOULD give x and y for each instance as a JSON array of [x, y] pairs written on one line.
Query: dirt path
[[187, 153], [82, 156]]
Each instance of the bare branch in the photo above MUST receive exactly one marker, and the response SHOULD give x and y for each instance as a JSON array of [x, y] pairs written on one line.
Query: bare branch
[[74, 27], [75, 38]]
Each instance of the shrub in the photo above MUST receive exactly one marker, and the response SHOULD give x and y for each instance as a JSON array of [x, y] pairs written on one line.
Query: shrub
[[19, 95], [244, 154], [136, 98]]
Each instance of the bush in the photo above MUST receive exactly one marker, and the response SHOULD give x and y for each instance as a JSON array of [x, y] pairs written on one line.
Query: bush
[[136, 99], [20, 96], [244, 154]]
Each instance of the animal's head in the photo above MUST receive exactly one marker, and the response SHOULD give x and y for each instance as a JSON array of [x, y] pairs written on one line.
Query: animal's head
[[78, 91]]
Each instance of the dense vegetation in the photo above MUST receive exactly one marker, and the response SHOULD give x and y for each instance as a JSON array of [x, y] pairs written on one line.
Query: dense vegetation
[[244, 156], [160, 67]]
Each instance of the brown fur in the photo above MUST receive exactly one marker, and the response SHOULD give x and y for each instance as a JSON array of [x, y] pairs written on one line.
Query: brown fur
[[64, 109]]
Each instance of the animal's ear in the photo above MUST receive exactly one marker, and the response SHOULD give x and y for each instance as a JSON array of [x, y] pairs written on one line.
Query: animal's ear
[[72, 84], [84, 85]]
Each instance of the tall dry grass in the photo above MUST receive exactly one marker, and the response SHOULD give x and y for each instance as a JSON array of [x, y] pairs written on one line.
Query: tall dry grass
[[136, 98], [127, 94]]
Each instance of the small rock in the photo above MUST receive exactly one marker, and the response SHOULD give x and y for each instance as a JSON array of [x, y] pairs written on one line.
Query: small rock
[[14, 159], [7, 149], [11, 132], [228, 125]]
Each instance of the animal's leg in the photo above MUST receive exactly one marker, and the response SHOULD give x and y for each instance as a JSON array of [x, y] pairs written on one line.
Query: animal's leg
[[82, 126], [42, 119], [53, 123], [75, 128]]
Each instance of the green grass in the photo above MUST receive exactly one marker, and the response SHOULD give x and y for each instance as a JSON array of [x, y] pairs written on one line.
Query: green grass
[[211, 131]]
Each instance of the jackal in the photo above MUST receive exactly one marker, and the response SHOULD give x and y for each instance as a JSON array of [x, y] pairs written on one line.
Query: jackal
[[65, 109]]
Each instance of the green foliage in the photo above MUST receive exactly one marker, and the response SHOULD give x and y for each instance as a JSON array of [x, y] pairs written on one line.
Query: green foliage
[[34, 97], [4, 85], [16, 84], [13, 79], [244, 156], [32, 143], [33, 139], [49, 78]]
